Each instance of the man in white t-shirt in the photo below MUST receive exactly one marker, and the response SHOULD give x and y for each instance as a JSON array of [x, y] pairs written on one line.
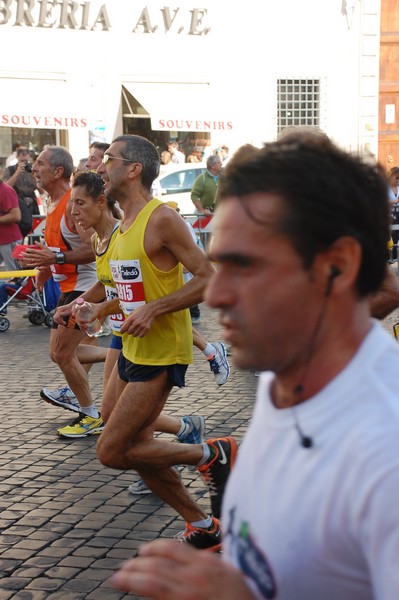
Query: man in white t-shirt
[[310, 511], [178, 157]]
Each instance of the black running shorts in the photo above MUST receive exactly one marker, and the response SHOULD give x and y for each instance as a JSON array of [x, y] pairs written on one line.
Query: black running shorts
[[130, 372]]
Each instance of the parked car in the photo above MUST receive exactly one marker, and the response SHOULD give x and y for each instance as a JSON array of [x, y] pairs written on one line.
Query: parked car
[[176, 184]]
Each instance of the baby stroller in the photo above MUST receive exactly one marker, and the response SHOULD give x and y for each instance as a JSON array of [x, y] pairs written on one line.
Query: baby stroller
[[21, 286]]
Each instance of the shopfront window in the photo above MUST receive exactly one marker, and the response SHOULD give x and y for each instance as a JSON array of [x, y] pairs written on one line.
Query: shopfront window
[[34, 139]]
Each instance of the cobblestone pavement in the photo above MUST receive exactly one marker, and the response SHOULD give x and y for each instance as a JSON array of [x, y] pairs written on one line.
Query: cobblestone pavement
[[66, 521]]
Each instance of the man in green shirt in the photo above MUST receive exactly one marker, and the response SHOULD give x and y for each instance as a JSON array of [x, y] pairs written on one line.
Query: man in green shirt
[[203, 193]]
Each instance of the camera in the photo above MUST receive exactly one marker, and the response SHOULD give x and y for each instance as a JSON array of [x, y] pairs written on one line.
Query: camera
[[28, 167]]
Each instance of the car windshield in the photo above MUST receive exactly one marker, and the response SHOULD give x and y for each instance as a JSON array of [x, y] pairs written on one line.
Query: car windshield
[[181, 181]]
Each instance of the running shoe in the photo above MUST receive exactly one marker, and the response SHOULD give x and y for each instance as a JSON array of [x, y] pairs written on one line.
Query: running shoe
[[105, 330], [195, 429], [139, 488], [217, 468], [202, 539], [63, 397], [219, 364], [82, 427]]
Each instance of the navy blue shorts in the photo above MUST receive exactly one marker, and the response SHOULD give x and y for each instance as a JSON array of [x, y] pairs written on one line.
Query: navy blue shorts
[[116, 342], [130, 372]]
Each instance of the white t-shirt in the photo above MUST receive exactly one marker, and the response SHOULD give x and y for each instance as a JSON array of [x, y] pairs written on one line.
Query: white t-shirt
[[322, 523]]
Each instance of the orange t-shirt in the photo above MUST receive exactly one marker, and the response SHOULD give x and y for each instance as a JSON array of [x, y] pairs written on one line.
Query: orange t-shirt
[[66, 275]]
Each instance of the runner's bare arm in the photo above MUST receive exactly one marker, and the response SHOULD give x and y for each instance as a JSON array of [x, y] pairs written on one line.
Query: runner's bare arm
[[168, 242]]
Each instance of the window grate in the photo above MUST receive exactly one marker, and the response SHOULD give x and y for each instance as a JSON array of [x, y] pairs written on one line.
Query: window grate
[[298, 102]]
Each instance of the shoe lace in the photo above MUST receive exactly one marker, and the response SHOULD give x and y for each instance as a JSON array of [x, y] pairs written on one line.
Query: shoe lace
[[210, 482], [81, 419], [188, 533], [214, 365]]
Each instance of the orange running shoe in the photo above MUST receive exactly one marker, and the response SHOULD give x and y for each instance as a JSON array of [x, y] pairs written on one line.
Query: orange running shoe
[[216, 470]]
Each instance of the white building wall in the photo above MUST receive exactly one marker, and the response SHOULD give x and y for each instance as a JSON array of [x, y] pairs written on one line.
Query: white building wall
[[249, 46]]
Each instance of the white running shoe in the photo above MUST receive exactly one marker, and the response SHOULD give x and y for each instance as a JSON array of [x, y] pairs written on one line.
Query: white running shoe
[[139, 488], [105, 330], [219, 364], [64, 397]]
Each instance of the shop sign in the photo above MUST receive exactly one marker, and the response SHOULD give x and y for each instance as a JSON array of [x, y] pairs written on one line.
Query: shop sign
[[68, 14], [190, 125], [48, 122]]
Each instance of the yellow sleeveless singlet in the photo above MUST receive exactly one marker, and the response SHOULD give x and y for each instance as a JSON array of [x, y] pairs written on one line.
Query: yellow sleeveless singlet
[[138, 281], [103, 270]]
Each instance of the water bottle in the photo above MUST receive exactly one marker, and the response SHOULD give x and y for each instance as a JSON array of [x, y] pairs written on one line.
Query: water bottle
[[85, 312]]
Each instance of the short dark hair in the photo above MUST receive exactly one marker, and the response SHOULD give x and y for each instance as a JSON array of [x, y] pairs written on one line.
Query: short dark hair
[[103, 146], [139, 149], [94, 186], [327, 194]]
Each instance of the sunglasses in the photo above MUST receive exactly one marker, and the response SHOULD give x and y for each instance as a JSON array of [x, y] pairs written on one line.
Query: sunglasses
[[107, 158]]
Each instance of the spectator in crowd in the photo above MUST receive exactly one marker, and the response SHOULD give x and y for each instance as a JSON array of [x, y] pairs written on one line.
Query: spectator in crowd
[[177, 156], [300, 240], [203, 193], [21, 178], [12, 159], [166, 161], [192, 158], [224, 153], [393, 195], [383, 302], [10, 234]]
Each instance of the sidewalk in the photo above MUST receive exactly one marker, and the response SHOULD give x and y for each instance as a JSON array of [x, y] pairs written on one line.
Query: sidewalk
[[66, 521]]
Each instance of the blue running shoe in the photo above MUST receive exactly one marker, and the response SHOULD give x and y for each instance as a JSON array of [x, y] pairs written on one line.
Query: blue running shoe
[[194, 432]]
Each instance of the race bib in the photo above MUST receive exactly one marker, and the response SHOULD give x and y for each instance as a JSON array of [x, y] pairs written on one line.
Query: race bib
[[129, 284], [115, 321]]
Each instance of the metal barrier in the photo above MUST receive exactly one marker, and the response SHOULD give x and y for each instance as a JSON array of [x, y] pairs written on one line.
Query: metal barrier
[[203, 226], [37, 230]]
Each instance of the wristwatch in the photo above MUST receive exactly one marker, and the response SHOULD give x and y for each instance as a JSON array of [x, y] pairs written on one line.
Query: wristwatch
[[60, 258]]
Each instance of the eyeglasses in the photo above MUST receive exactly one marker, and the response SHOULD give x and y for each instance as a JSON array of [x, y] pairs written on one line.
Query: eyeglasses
[[107, 158]]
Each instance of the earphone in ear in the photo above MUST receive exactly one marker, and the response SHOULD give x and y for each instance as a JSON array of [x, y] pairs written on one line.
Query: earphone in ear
[[334, 272]]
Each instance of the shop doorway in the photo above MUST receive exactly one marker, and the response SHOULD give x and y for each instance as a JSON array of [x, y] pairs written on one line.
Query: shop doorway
[[137, 121], [388, 126]]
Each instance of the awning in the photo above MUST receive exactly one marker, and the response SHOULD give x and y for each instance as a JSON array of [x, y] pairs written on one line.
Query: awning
[[182, 106], [39, 104]]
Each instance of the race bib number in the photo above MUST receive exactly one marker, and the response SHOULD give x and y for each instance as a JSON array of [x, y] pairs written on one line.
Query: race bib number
[[129, 284], [115, 321]]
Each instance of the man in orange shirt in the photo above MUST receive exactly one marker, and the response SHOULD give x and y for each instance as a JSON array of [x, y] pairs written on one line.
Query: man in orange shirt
[[69, 257]]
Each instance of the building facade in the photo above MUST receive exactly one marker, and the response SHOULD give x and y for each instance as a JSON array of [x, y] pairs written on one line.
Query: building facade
[[201, 72]]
